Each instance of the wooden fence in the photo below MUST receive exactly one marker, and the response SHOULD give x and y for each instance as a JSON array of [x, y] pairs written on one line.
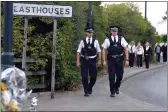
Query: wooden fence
[[41, 74]]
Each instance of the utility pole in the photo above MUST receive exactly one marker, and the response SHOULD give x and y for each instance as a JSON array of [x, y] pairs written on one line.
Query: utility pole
[[145, 9], [7, 55]]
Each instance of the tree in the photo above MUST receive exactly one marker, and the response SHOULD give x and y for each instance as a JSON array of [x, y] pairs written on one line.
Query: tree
[[130, 20], [164, 38], [158, 38], [165, 17]]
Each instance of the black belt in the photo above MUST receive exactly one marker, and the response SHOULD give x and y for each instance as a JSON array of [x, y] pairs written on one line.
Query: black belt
[[115, 56]]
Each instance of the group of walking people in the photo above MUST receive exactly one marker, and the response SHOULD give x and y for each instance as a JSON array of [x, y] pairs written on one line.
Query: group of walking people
[[161, 50], [114, 54], [141, 53]]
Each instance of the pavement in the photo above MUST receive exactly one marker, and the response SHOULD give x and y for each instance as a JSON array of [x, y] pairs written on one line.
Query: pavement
[[100, 99]]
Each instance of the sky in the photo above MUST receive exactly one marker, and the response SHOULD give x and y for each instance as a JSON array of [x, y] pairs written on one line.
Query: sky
[[155, 10]]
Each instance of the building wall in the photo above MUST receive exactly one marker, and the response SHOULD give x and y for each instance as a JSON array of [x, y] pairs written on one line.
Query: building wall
[[161, 27]]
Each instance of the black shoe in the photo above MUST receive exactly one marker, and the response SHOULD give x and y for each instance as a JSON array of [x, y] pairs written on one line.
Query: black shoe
[[112, 95], [90, 92], [117, 91], [86, 94]]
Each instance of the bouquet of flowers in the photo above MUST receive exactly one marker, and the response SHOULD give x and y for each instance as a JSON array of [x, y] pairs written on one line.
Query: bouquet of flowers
[[13, 89]]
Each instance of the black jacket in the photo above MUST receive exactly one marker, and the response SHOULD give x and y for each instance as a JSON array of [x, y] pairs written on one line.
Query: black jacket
[[164, 49], [148, 52]]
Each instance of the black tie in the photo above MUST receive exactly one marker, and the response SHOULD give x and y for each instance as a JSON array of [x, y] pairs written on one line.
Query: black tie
[[131, 50], [89, 41], [114, 39]]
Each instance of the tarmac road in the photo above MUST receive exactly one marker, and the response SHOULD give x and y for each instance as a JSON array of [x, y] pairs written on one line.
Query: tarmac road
[[149, 87]]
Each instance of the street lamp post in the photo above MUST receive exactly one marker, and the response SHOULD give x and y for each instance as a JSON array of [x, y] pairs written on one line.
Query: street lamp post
[[7, 55], [90, 15]]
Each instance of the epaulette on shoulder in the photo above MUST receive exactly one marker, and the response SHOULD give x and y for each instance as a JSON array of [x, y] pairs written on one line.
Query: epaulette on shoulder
[[121, 36], [106, 37]]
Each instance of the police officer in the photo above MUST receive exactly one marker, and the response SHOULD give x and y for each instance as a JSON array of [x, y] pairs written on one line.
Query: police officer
[[87, 58], [117, 48]]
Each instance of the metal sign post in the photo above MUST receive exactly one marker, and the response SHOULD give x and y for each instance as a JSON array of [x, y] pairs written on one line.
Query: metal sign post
[[42, 10], [25, 44]]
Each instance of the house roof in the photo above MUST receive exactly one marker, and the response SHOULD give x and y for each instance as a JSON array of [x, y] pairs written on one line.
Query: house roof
[[162, 21]]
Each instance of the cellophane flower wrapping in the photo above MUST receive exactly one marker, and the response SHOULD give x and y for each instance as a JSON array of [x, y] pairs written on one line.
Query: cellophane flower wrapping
[[13, 89]]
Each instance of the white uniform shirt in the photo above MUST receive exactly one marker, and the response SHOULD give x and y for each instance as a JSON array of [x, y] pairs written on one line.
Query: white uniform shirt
[[140, 50], [133, 48], [106, 43], [96, 45]]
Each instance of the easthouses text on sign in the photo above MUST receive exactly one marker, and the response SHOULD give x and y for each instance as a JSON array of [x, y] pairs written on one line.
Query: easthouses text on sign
[[42, 10]]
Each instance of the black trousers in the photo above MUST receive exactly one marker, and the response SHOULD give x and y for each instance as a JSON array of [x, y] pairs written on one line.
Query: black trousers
[[88, 67], [131, 59], [157, 57], [139, 60], [115, 70], [147, 60], [164, 57]]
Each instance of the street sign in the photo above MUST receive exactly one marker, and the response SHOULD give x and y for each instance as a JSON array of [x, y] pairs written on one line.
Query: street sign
[[55, 11], [41, 10]]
